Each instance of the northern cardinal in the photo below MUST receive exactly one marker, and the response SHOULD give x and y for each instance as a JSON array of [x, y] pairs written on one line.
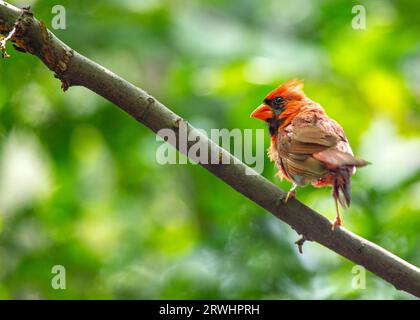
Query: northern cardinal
[[307, 146]]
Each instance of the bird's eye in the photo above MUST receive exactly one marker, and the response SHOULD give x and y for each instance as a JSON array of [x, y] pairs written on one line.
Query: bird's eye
[[277, 102]]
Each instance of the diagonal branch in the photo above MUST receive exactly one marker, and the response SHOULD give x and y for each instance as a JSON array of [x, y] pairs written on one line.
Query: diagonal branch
[[73, 69]]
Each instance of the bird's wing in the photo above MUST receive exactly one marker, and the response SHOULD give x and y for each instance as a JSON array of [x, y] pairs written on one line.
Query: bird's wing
[[296, 147], [310, 139], [309, 149]]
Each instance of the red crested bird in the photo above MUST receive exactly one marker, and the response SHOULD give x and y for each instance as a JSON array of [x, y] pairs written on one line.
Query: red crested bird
[[307, 146]]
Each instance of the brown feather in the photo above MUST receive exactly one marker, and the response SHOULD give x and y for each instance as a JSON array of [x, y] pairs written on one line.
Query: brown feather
[[334, 158]]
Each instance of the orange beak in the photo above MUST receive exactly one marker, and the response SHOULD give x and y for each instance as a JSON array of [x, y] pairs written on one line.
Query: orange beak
[[263, 112]]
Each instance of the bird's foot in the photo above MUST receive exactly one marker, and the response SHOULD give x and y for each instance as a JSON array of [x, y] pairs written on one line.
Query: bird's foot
[[291, 194], [336, 222]]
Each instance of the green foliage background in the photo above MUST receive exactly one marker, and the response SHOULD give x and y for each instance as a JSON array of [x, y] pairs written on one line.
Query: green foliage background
[[80, 186]]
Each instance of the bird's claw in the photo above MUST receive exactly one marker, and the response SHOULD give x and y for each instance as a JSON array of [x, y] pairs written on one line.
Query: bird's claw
[[336, 222], [289, 195]]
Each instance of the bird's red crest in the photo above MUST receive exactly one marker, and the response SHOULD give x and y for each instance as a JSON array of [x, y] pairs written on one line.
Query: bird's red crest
[[291, 89]]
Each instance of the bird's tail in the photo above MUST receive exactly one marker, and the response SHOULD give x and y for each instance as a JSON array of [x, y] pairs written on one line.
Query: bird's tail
[[347, 165], [342, 187], [341, 191]]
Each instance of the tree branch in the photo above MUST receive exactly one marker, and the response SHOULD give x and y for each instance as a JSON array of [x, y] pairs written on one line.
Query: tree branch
[[73, 69]]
